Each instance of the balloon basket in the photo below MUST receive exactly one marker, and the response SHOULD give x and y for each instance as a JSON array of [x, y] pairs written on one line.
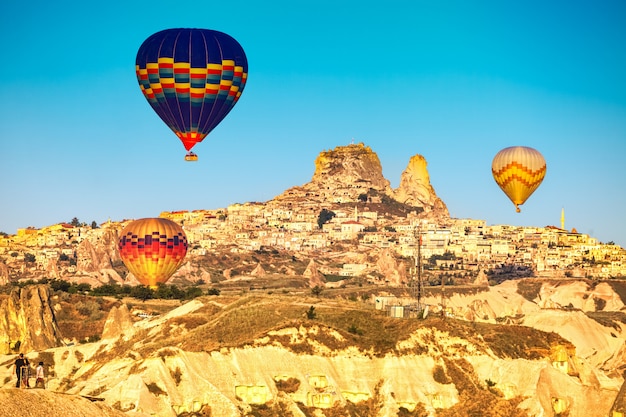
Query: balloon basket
[[191, 157]]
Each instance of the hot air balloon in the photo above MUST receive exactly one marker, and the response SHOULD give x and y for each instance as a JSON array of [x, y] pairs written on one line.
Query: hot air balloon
[[518, 170], [192, 78], [152, 249]]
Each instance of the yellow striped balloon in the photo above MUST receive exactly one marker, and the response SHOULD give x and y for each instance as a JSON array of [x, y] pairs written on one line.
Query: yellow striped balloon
[[152, 249], [518, 171]]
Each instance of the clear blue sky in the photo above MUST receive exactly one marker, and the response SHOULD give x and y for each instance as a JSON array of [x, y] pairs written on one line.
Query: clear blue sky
[[452, 81]]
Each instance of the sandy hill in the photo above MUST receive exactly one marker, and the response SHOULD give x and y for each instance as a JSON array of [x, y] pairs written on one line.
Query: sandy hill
[[44, 403]]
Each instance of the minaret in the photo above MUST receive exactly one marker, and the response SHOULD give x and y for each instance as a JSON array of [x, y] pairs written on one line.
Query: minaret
[[563, 218]]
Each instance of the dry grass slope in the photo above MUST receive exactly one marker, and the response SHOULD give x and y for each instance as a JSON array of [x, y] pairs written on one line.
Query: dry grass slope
[[244, 321]]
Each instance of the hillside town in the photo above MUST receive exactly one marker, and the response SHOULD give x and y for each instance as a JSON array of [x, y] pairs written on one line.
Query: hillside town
[[347, 208], [467, 245]]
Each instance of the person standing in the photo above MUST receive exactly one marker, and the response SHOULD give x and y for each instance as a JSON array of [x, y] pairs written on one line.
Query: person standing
[[39, 382], [20, 363], [26, 373]]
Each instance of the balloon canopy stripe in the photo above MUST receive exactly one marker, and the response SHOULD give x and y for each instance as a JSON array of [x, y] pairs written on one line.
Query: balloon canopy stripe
[[518, 172], [192, 78]]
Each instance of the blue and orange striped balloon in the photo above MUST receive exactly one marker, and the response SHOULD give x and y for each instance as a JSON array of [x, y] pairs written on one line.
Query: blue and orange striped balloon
[[192, 78]]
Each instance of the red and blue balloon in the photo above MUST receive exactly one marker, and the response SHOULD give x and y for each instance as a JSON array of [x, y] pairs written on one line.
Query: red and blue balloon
[[192, 78]]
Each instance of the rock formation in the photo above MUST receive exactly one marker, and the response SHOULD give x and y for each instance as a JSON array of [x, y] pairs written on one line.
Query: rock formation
[[315, 277], [392, 269], [258, 271], [352, 167], [119, 323], [481, 279], [97, 253], [95, 258], [4, 274], [27, 321], [415, 188], [347, 173]]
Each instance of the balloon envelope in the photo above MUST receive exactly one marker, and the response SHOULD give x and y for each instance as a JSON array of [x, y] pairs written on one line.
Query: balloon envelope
[[192, 78], [152, 249], [518, 171]]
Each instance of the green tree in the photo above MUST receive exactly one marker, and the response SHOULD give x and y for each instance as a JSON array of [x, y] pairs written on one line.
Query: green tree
[[60, 285], [177, 293], [311, 314], [142, 292], [213, 291], [106, 289], [75, 222], [164, 292], [94, 225], [193, 292], [83, 287], [317, 290]]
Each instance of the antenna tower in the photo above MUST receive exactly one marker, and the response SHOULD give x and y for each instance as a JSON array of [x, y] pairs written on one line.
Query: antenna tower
[[415, 285]]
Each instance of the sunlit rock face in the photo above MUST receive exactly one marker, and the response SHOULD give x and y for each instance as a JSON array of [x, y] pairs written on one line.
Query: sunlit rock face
[[118, 324], [341, 176], [415, 188], [352, 167], [4, 274], [95, 258], [314, 276], [393, 270], [97, 252], [348, 173], [27, 321]]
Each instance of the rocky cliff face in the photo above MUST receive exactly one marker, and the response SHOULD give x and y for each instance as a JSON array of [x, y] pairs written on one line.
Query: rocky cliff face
[[96, 256], [353, 169], [391, 268], [415, 188], [98, 252], [4, 274], [27, 321], [118, 323], [344, 174]]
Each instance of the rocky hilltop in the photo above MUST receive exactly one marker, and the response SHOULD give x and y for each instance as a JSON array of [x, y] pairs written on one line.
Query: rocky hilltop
[[353, 173]]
